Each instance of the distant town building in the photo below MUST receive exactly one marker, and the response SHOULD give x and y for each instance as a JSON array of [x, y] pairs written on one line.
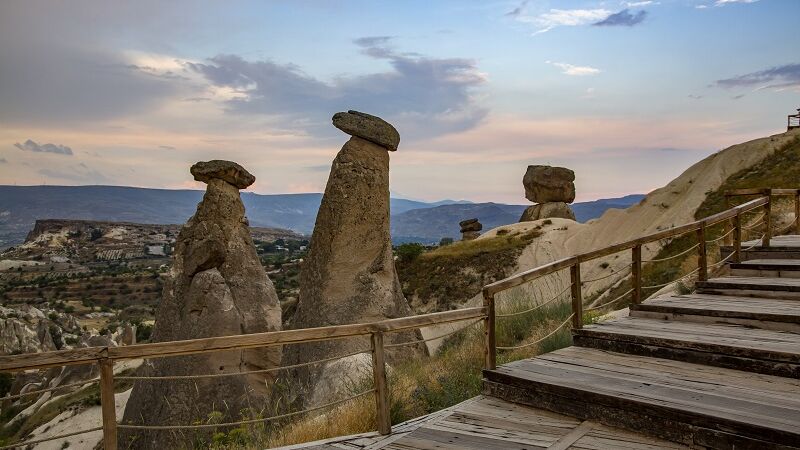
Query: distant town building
[[793, 121]]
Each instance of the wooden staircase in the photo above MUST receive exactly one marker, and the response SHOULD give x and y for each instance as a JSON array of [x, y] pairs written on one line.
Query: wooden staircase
[[718, 368]]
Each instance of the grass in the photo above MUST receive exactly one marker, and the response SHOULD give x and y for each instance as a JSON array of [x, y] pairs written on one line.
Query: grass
[[439, 280]]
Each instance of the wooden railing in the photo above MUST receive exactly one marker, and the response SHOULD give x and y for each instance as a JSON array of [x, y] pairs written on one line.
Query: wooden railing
[[731, 219], [106, 357]]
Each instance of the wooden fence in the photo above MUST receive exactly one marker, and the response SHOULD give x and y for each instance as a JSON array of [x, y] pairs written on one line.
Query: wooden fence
[[106, 357]]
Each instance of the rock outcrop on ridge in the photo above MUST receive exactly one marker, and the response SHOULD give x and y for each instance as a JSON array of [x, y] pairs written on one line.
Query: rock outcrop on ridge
[[552, 188], [216, 287], [470, 229], [349, 274]]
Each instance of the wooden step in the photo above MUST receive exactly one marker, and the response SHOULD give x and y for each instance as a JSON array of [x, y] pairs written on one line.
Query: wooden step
[[780, 247], [688, 403], [732, 346], [771, 268], [765, 287], [768, 314]]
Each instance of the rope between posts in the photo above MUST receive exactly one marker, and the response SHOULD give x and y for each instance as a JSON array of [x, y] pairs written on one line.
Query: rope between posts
[[753, 227], [420, 341], [721, 237], [673, 256], [723, 260], [759, 241], [242, 422], [541, 339], [608, 303], [624, 268], [537, 306], [233, 374], [40, 391], [52, 438], [674, 281]]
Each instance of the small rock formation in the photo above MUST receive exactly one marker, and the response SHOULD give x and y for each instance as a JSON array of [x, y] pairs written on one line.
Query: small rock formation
[[349, 274], [470, 229], [552, 188], [216, 287]]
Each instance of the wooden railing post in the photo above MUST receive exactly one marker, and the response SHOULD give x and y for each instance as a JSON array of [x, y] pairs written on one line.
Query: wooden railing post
[[797, 211], [737, 237], [490, 345], [636, 273], [767, 218], [382, 416], [702, 261], [577, 300], [107, 404]]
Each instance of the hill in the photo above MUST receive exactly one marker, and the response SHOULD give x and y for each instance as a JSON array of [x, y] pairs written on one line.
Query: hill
[[21, 206]]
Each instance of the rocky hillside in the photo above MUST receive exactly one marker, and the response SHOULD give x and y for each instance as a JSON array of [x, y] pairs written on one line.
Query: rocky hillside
[[765, 162]]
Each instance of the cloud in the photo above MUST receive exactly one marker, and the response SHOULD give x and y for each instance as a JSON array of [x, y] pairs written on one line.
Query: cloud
[[727, 2], [30, 146], [3, 161], [623, 18], [427, 95], [559, 17], [779, 78], [80, 173], [695, 96], [518, 11], [701, 6], [166, 147], [639, 4], [569, 69]]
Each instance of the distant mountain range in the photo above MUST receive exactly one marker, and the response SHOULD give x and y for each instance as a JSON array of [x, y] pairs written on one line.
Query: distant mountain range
[[21, 206]]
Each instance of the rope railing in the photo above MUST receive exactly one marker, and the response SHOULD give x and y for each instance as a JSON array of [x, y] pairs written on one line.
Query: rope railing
[[654, 260], [529, 344], [673, 281], [622, 269], [422, 341], [723, 260], [242, 422], [721, 237], [234, 374], [51, 438], [624, 294], [753, 227], [42, 391], [540, 305], [759, 241]]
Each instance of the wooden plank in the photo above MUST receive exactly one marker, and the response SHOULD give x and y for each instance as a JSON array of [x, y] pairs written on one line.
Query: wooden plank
[[52, 359], [108, 404], [690, 404], [713, 306], [566, 442], [577, 299], [382, 416], [489, 339]]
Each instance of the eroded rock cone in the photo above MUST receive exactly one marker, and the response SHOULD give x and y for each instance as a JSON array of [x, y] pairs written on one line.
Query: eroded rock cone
[[216, 287], [547, 211], [544, 184], [349, 274]]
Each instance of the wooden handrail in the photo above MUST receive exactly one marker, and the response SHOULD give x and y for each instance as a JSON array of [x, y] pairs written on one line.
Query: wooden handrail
[[244, 341], [729, 217]]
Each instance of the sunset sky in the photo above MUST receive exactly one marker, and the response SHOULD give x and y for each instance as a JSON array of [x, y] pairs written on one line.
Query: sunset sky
[[627, 94]]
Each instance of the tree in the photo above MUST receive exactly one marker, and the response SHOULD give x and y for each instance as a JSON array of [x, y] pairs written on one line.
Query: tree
[[445, 241], [410, 251]]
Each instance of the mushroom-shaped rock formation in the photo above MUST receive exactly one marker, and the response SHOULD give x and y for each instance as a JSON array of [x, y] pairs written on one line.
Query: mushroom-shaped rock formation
[[216, 287], [552, 188], [368, 127], [470, 229], [349, 275]]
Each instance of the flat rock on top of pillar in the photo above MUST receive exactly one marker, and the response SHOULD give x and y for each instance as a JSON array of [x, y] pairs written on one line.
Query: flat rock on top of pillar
[[368, 127], [227, 171]]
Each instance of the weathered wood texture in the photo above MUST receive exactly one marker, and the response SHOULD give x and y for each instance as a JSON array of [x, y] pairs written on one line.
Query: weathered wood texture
[[490, 423], [689, 403]]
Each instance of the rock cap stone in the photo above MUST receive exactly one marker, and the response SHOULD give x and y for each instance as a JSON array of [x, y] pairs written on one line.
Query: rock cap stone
[[227, 171], [544, 184], [369, 127], [470, 225]]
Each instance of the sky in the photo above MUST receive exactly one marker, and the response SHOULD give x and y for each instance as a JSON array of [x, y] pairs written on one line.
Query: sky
[[628, 94]]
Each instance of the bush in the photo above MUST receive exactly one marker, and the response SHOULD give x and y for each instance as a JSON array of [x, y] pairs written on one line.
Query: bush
[[409, 252], [445, 241]]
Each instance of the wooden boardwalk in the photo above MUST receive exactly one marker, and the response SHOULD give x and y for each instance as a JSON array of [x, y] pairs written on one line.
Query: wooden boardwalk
[[718, 368], [486, 423]]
